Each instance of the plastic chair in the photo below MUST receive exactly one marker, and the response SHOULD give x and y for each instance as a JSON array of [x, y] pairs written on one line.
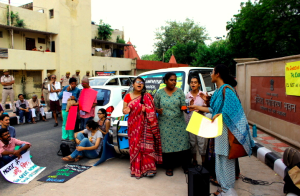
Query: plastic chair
[[108, 150]]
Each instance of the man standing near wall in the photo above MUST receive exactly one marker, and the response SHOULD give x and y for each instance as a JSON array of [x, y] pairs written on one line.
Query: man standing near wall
[[87, 75], [65, 80], [77, 76], [45, 90], [7, 82]]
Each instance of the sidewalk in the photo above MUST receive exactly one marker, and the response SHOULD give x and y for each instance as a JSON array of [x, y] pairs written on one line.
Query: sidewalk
[[113, 178]]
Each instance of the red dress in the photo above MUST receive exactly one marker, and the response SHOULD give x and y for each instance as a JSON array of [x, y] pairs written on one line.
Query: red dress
[[144, 137]]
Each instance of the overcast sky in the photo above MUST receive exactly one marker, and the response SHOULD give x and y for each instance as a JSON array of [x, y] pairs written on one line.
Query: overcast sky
[[140, 19]]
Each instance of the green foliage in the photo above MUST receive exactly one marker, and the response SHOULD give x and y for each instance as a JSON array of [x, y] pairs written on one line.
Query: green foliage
[[182, 52], [15, 19], [266, 29], [119, 40], [217, 53], [150, 57], [104, 31], [178, 33]]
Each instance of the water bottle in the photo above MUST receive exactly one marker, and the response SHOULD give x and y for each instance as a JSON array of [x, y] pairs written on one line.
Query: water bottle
[[254, 131], [187, 102]]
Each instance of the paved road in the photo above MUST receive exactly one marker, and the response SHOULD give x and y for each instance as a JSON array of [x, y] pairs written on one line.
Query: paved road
[[45, 140]]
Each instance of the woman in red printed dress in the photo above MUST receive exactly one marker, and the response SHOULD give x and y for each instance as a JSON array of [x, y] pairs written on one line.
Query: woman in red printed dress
[[143, 132]]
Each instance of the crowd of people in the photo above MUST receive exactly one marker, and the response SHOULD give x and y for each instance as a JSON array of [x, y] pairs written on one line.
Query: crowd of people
[[156, 126]]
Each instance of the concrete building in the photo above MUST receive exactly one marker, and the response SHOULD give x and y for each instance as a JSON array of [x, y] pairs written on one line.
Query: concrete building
[[65, 28]]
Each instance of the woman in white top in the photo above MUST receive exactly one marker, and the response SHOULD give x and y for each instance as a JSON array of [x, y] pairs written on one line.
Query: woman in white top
[[195, 99], [87, 147]]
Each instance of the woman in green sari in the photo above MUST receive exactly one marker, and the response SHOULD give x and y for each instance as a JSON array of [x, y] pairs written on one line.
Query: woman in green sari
[[170, 103]]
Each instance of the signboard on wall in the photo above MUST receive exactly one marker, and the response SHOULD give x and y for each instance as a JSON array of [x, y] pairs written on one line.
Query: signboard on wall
[[292, 78], [102, 73], [268, 96]]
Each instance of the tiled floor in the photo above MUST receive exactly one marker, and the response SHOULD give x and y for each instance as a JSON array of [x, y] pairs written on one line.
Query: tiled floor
[[270, 142]]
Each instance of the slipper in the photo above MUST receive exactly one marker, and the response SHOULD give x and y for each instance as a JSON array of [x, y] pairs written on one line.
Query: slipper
[[68, 158], [45, 120], [34, 122], [78, 158], [150, 174], [169, 172], [214, 182]]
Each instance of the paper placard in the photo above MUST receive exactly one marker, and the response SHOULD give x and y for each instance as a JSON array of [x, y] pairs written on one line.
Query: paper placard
[[292, 78], [203, 126], [86, 99], [21, 171], [71, 120], [66, 96]]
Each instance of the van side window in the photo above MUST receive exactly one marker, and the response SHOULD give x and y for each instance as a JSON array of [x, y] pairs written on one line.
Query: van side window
[[125, 81], [205, 73]]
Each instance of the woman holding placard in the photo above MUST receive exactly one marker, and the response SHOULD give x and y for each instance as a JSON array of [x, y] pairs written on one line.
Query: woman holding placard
[[225, 101], [193, 97], [143, 133], [170, 104]]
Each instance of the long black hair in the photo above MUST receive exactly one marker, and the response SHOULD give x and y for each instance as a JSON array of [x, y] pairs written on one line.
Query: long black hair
[[103, 111], [143, 90], [168, 76], [92, 124], [224, 74]]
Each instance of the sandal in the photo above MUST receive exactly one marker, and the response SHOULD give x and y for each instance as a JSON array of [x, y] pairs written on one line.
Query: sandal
[[68, 158], [214, 182], [78, 158], [150, 174], [169, 172]]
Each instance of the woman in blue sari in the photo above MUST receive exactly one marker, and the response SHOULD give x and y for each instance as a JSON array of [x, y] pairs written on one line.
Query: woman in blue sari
[[234, 120]]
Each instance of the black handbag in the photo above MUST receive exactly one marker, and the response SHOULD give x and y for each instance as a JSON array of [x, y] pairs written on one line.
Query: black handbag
[[66, 148]]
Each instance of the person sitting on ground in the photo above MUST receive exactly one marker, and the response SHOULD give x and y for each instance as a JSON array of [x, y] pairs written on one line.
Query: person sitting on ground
[[36, 108], [89, 147], [7, 147], [22, 106], [4, 124]]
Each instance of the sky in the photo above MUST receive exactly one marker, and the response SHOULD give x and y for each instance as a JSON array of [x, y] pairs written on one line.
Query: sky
[[140, 19]]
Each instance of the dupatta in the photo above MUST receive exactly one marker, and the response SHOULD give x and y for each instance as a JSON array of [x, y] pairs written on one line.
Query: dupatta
[[233, 116]]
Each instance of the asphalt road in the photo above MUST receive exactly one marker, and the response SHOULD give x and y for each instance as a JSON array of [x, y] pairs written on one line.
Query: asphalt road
[[45, 140]]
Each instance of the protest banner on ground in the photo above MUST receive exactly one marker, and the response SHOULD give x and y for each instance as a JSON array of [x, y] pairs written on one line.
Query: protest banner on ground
[[65, 173], [292, 78], [22, 170], [203, 126]]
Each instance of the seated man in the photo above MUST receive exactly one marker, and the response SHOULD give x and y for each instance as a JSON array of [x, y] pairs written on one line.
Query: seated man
[[36, 109], [7, 146], [4, 124], [23, 109]]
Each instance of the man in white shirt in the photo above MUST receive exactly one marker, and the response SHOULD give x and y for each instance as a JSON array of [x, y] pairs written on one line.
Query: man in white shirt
[[54, 88]]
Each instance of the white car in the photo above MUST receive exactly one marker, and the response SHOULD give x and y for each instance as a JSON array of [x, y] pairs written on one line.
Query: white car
[[116, 80], [108, 97]]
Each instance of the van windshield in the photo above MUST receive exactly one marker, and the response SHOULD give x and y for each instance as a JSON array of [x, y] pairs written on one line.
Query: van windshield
[[154, 82], [97, 81]]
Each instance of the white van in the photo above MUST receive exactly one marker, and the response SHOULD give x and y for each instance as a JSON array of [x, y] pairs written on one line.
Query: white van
[[154, 82]]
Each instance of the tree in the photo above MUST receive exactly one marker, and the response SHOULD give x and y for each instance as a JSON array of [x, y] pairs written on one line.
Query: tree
[[120, 40], [217, 53], [104, 31], [178, 33], [150, 57], [182, 52], [266, 29]]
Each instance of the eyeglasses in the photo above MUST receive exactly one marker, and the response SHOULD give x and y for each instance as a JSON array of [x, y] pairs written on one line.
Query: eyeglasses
[[53, 78], [100, 113], [139, 82]]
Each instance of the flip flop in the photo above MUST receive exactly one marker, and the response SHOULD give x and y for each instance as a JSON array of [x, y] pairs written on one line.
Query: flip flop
[[68, 159]]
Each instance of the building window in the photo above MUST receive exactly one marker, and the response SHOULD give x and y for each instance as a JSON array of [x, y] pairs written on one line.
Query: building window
[[1, 34], [41, 40], [51, 13]]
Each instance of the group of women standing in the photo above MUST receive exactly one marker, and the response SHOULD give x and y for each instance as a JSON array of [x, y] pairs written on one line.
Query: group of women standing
[[164, 139]]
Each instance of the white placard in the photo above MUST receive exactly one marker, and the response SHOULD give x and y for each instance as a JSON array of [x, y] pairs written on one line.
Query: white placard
[[21, 171], [66, 96], [123, 123]]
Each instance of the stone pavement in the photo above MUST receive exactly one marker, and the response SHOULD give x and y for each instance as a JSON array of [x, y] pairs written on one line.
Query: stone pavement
[[113, 178]]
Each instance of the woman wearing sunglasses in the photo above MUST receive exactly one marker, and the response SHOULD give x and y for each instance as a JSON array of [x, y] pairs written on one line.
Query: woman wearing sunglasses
[[143, 133]]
